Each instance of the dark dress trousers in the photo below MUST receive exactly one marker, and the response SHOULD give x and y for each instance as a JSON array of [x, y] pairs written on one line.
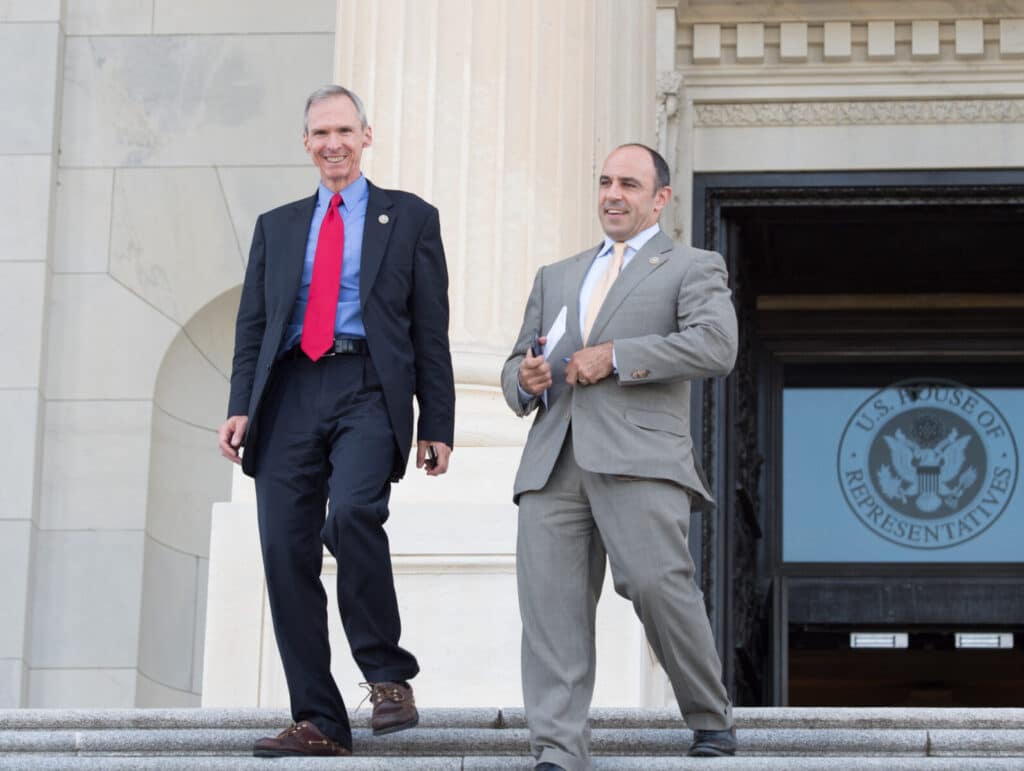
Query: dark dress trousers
[[325, 439]]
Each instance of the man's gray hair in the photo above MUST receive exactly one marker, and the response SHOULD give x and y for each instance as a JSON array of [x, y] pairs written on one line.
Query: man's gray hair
[[326, 92]]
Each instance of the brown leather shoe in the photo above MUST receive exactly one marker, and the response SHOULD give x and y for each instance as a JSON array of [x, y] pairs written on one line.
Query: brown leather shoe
[[394, 708], [298, 739]]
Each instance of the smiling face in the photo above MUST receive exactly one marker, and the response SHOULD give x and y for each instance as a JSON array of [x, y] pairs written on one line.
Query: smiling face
[[335, 139], [627, 201]]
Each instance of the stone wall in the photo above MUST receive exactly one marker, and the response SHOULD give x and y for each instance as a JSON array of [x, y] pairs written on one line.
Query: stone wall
[[146, 137]]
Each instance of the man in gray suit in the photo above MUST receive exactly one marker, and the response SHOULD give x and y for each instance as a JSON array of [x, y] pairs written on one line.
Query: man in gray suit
[[608, 468]]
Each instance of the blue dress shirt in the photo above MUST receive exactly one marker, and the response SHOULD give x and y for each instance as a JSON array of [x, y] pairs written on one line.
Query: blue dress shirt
[[348, 322]]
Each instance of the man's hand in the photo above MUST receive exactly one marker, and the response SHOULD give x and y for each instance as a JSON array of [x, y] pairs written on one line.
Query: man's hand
[[535, 372], [231, 434], [443, 451], [590, 365]]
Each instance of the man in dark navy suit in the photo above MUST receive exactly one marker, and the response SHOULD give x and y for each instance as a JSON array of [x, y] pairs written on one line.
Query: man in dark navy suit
[[343, 319]]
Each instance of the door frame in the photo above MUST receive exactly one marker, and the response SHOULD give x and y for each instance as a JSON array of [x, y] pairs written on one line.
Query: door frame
[[739, 441]]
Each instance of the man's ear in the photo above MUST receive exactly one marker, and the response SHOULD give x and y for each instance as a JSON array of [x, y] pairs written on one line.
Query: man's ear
[[368, 136], [662, 197]]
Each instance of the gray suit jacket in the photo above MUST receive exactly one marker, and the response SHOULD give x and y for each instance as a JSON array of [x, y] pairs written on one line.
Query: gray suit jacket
[[671, 318]]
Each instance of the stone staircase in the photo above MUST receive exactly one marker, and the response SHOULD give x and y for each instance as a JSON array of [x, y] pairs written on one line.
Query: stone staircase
[[482, 739]]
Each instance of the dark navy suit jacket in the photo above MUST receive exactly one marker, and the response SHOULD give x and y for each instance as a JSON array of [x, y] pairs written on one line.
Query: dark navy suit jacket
[[403, 294]]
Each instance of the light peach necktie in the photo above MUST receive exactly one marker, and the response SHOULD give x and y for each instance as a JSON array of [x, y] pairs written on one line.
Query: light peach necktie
[[603, 286]]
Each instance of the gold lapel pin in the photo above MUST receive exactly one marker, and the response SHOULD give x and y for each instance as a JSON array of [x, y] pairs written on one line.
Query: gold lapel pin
[[652, 260], [383, 219]]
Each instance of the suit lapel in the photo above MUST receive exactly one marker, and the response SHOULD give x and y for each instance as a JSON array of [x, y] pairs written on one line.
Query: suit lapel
[[573, 284], [376, 232], [296, 235], [655, 253]]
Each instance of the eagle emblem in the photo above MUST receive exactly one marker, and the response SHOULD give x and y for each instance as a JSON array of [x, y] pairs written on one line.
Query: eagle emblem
[[926, 473], [928, 464]]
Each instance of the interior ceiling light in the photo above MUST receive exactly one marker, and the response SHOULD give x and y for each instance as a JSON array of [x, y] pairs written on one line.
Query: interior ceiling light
[[1001, 640], [879, 639]]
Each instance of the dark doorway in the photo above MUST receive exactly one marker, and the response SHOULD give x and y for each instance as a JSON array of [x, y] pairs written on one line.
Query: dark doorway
[[824, 671], [840, 279]]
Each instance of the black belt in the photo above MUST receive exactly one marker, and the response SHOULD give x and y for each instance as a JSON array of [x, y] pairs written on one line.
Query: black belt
[[343, 346]]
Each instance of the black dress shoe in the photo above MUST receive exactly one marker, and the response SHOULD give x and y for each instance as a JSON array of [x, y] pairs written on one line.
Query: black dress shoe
[[547, 767], [710, 744]]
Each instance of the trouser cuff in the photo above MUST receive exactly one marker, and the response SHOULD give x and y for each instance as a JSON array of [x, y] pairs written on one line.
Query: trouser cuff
[[709, 721], [332, 730], [563, 759], [391, 675]]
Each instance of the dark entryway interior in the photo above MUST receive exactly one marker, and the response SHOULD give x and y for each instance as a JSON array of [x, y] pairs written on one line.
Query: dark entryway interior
[[854, 278], [877, 249], [824, 671]]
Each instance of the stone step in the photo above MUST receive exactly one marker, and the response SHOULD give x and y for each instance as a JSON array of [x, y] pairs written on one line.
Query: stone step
[[496, 738], [478, 741], [29, 762], [494, 717]]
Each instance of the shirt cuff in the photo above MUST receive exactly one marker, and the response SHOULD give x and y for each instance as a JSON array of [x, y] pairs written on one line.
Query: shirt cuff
[[525, 397], [615, 363]]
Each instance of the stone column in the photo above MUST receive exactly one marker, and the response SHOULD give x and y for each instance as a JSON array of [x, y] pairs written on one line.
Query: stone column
[[500, 114]]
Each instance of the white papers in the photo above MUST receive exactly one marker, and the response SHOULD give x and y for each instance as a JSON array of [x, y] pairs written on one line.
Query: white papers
[[553, 337], [554, 334]]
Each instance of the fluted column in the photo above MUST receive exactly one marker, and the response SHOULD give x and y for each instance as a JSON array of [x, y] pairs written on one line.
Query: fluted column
[[500, 113]]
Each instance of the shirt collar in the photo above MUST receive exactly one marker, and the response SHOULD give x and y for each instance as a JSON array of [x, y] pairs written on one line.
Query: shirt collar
[[636, 243], [355, 192]]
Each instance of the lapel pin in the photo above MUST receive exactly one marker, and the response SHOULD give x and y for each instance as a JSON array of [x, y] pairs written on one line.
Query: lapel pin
[[652, 260], [383, 219]]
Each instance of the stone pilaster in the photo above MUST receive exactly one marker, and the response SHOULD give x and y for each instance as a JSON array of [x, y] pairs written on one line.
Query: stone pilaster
[[31, 51]]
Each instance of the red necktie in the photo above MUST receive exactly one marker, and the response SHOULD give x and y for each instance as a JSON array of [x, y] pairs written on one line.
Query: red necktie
[[322, 307]]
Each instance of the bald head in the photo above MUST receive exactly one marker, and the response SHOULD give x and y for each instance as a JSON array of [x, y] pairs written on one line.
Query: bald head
[[631, 194]]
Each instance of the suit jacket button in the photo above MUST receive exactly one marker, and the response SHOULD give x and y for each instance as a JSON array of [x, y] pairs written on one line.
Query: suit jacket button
[[640, 374]]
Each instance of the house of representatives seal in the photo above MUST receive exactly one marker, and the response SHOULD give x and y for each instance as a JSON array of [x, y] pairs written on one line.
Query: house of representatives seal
[[927, 464]]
